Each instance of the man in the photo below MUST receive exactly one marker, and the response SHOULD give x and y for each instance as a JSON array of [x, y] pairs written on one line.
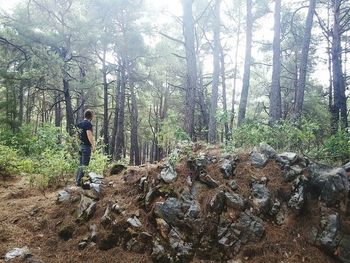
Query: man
[[87, 143]]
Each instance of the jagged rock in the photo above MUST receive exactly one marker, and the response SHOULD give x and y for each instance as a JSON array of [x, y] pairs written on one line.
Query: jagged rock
[[258, 159], [116, 208], [86, 208], [134, 222], [208, 180], [275, 207], [267, 150], [93, 235], [249, 228], [95, 178], [332, 184], [163, 227], [217, 203], [261, 197], [287, 158], [227, 167], [234, 200], [183, 250], [159, 253], [291, 173], [329, 235], [66, 232], [193, 211], [143, 183], [106, 218], [168, 174], [201, 162], [151, 194], [63, 196], [233, 185], [228, 240], [279, 218], [83, 244], [91, 193], [298, 198], [170, 210], [344, 249], [17, 253], [346, 167]]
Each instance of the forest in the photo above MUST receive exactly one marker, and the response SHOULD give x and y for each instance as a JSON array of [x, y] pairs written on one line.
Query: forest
[[156, 73], [221, 130]]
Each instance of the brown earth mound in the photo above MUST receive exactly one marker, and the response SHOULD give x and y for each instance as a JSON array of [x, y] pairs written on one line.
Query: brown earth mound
[[210, 208]]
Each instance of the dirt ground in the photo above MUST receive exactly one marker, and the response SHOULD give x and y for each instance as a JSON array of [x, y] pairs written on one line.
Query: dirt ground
[[32, 218]]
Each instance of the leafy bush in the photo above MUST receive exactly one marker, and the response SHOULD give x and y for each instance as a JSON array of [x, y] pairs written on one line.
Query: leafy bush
[[8, 160], [99, 161], [336, 147]]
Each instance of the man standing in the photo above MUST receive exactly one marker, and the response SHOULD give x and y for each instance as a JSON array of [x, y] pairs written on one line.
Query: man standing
[[87, 143]]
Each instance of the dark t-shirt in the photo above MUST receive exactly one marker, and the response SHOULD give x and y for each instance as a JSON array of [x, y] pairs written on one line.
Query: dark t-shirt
[[83, 127]]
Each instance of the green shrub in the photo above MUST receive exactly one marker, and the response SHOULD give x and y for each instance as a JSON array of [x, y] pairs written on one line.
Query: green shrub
[[9, 160], [336, 148]]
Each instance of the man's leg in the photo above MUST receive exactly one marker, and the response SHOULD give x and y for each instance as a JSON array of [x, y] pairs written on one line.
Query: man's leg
[[84, 161]]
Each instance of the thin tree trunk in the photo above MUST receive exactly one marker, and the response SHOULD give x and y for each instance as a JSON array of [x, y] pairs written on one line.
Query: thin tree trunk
[[116, 112], [191, 81], [235, 70], [246, 75], [68, 100], [299, 99], [212, 135], [224, 100], [121, 104], [105, 103], [275, 110]]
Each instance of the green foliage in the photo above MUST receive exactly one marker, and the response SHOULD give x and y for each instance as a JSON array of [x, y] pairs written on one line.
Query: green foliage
[[336, 147], [99, 161], [8, 160]]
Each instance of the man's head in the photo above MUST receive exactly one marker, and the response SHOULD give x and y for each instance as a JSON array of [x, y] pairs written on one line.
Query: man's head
[[88, 114]]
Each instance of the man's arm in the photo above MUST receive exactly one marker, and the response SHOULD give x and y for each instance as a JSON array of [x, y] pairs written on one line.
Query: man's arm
[[91, 139]]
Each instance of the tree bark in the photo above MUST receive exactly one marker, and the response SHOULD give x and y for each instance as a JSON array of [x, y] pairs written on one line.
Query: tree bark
[[105, 103], [275, 110], [191, 76], [212, 135], [299, 98], [247, 61]]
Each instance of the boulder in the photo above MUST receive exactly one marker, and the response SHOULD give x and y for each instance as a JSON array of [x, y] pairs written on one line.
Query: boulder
[[170, 210], [331, 184], [17, 253], [63, 196], [287, 158], [234, 201], [217, 203], [267, 150], [298, 197], [168, 174], [346, 167], [261, 198], [258, 159], [86, 208], [227, 168], [208, 180], [248, 227]]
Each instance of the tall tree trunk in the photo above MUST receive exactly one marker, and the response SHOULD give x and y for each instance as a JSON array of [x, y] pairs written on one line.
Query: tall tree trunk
[[21, 103], [275, 111], [191, 80], [105, 102], [299, 99], [247, 61], [203, 107], [340, 107], [216, 74], [68, 100], [134, 143], [224, 99], [235, 70], [120, 125], [116, 112], [57, 102]]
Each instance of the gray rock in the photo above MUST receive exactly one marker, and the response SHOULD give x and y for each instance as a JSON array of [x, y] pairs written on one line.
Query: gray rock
[[86, 208], [143, 183], [63, 196], [329, 235], [170, 210], [227, 167], [134, 222], [93, 235], [151, 194], [332, 184], [107, 216], [17, 253], [96, 187], [83, 244], [201, 162], [291, 173], [261, 198], [298, 198], [344, 249], [288, 158], [234, 200], [208, 180], [249, 228], [193, 211], [267, 150], [258, 159], [346, 167], [217, 203], [183, 250], [168, 174], [275, 207], [159, 253], [95, 178], [233, 185]]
